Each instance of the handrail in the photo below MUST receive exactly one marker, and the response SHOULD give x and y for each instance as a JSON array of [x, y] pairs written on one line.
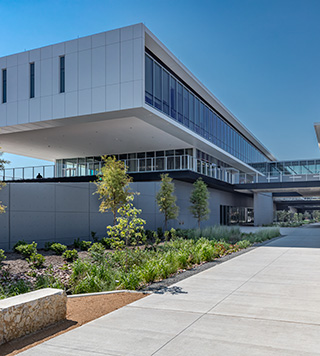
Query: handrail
[[152, 164]]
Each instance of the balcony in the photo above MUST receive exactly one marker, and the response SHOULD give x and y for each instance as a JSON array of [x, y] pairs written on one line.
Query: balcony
[[137, 165]]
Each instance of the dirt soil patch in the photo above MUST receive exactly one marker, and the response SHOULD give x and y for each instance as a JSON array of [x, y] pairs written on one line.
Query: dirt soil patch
[[80, 310]]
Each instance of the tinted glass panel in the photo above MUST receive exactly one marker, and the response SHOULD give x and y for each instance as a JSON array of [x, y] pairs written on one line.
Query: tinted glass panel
[[62, 75], [173, 100], [149, 80], [31, 80], [157, 86], [165, 93], [180, 103], [4, 85]]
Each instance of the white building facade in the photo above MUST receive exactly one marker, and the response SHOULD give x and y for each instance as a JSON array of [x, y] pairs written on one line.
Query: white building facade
[[122, 93]]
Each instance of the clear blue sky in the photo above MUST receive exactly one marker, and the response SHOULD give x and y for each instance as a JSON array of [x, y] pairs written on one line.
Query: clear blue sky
[[261, 58]]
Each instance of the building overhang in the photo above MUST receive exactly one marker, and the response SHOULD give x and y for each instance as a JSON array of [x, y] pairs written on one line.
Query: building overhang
[[289, 189], [133, 130]]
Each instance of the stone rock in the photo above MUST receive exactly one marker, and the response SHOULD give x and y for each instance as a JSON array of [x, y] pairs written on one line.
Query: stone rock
[[27, 313]]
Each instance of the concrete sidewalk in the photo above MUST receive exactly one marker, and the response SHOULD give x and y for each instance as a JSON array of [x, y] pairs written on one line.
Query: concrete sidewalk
[[264, 302]]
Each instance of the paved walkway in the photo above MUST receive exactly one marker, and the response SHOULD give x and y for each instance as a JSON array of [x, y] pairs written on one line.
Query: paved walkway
[[264, 302]]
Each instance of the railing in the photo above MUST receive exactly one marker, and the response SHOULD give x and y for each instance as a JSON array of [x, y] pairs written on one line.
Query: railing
[[245, 178], [137, 165], [153, 164], [22, 173]]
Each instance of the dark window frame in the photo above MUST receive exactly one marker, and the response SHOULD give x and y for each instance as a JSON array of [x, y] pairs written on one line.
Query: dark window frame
[[32, 80], [4, 85], [62, 81]]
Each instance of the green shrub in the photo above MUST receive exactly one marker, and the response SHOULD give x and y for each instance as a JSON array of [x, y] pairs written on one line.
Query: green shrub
[[130, 280], [19, 243], [97, 252], [160, 232], [58, 248], [76, 243], [48, 280], [2, 257], [36, 260], [87, 277], [243, 244], [15, 287], [84, 245], [149, 271], [27, 250], [70, 255], [263, 235], [94, 236], [106, 242], [47, 245]]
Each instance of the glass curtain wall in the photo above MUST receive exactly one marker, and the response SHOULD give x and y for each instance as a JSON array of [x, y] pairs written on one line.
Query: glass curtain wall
[[166, 93], [288, 167]]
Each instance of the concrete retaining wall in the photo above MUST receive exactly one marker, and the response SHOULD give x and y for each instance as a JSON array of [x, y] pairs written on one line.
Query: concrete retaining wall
[[27, 313]]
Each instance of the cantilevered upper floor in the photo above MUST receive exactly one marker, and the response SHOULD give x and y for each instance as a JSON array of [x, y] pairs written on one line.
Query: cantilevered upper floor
[[111, 93]]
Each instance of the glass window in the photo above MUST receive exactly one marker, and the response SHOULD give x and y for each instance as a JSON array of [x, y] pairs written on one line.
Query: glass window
[[196, 115], [191, 111], [4, 85], [165, 92], [210, 123], [173, 100], [62, 74], [141, 155], [185, 107], [206, 122], [180, 103], [201, 108], [31, 80], [149, 79], [157, 86]]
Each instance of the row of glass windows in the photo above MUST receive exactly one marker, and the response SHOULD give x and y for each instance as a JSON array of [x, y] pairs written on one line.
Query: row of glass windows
[[136, 162], [32, 80], [164, 92], [289, 167]]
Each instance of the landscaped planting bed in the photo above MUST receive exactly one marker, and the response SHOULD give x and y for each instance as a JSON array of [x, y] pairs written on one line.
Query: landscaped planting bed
[[134, 267]]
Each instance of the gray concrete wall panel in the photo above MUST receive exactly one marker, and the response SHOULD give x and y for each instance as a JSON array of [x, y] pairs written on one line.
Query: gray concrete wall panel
[[65, 211], [263, 209]]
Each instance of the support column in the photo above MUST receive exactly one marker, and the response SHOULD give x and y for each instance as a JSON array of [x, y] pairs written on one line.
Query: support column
[[263, 209]]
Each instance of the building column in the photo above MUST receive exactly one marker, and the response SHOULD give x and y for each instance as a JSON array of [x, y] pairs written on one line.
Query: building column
[[263, 209]]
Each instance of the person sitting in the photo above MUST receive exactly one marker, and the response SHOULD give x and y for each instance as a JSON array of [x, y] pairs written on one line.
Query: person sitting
[[39, 176]]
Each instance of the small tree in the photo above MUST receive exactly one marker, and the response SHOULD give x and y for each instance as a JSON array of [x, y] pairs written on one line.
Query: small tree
[[199, 200], [113, 186], [129, 227], [167, 200], [2, 163]]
